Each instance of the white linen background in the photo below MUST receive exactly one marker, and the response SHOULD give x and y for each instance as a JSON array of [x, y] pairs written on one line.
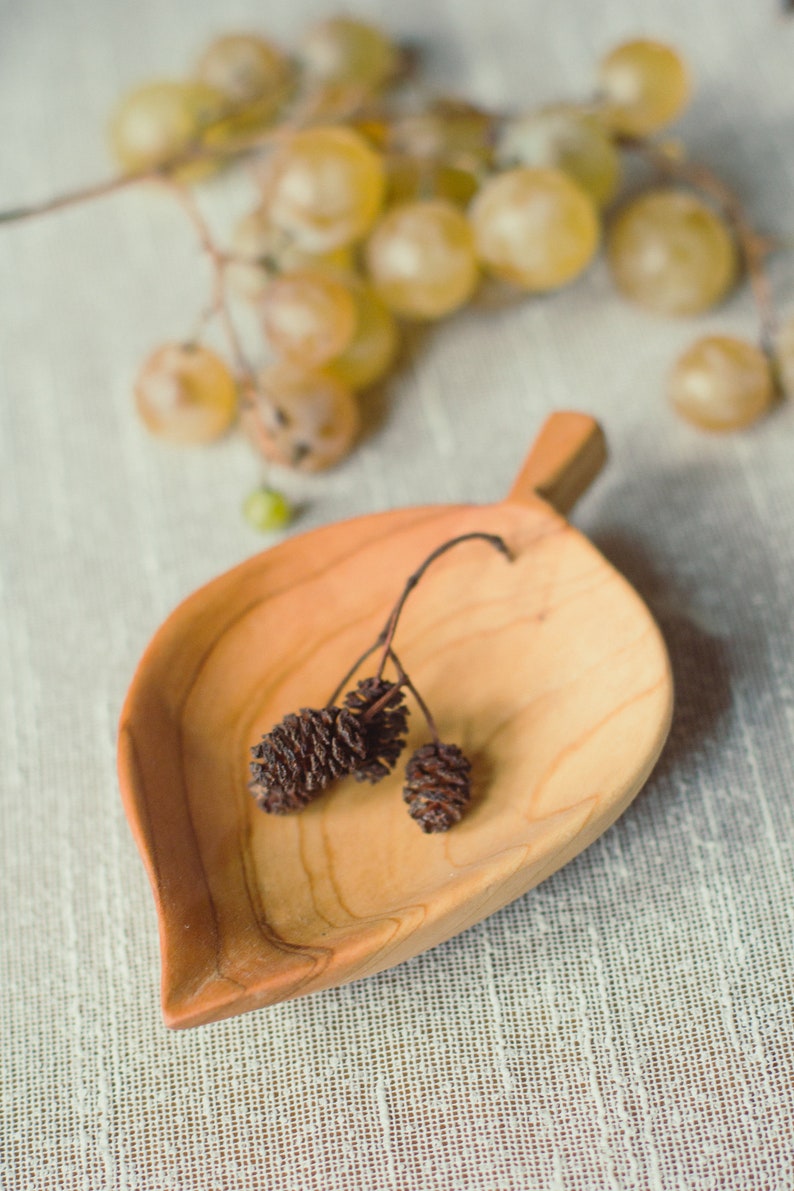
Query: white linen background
[[627, 1025]]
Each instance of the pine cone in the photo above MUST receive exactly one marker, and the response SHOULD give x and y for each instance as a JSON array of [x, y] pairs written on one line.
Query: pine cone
[[437, 786], [384, 732], [302, 755]]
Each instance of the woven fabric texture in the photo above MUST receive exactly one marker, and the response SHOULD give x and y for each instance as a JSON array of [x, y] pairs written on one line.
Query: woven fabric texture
[[627, 1026]]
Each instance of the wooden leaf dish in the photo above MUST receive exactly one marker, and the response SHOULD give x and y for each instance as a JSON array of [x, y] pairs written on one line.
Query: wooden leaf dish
[[548, 671]]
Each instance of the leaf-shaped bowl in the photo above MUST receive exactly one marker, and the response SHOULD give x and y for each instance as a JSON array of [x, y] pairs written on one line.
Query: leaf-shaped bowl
[[548, 671]]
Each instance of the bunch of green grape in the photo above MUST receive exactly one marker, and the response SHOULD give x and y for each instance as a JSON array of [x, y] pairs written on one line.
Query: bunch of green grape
[[372, 214]]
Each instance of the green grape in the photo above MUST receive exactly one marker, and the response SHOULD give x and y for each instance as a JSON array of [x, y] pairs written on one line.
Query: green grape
[[421, 260], [243, 67], [566, 138], [669, 251], [344, 50], [252, 74], [161, 121], [267, 510], [185, 394], [299, 419], [309, 317], [325, 188], [722, 383], [534, 227], [645, 86], [371, 353]]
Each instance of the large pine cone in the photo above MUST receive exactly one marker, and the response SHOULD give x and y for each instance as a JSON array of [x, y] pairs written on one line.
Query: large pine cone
[[437, 786], [384, 732], [302, 755]]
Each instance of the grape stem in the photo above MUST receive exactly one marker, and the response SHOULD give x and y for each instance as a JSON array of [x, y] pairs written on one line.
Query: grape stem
[[163, 172], [754, 247], [219, 304], [251, 394]]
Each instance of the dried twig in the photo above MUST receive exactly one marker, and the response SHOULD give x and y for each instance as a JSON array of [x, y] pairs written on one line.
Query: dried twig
[[389, 629]]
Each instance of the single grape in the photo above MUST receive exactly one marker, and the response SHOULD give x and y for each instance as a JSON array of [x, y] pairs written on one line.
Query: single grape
[[645, 85], [722, 383], [534, 227], [267, 510], [371, 353], [161, 121], [450, 130], [412, 178], [185, 394], [325, 188], [305, 420], [251, 73], [262, 251], [669, 251], [345, 50], [243, 67], [784, 356], [421, 259], [309, 317], [565, 138]]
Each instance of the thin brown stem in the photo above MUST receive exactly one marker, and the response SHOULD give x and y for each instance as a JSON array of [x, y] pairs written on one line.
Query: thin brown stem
[[406, 682], [386, 698], [754, 248], [218, 261], [390, 627], [386, 635], [359, 662], [83, 195], [203, 320], [196, 154]]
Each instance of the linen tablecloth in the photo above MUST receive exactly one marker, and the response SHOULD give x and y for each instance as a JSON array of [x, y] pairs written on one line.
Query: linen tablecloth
[[628, 1024]]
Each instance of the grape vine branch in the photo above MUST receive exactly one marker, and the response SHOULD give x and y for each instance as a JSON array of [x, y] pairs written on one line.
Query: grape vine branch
[[371, 211], [755, 248]]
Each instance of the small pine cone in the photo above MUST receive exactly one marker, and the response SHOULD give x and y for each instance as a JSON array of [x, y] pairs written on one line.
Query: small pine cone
[[437, 786], [302, 755], [384, 732]]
